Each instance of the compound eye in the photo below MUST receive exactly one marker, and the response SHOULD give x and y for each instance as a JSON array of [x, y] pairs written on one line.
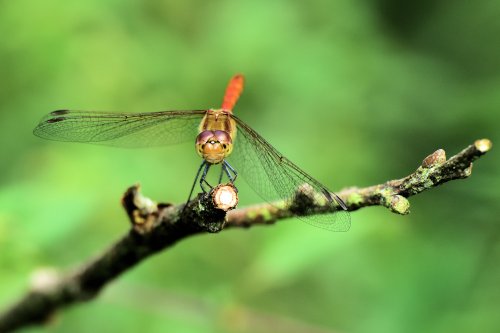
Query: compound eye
[[223, 136], [203, 137]]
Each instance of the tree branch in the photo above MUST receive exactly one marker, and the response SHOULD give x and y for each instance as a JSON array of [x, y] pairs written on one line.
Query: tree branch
[[159, 226]]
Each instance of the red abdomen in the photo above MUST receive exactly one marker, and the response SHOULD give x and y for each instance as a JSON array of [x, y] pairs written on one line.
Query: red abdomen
[[233, 92]]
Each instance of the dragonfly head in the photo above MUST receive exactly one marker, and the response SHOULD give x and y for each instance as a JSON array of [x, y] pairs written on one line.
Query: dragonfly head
[[214, 146]]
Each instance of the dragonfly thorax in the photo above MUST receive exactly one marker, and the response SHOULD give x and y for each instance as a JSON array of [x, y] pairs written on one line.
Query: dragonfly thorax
[[214, 146]]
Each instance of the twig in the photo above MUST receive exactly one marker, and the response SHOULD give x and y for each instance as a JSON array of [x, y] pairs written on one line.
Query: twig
[[159, 226]]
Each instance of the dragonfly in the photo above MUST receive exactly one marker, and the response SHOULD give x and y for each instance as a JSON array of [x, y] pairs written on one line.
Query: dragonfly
[[221, 138]]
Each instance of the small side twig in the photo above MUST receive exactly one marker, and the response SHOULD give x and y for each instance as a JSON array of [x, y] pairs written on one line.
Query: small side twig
[[159, 226]]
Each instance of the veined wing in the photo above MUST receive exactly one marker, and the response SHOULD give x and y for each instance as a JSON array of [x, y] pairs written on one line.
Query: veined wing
[[121, 129], [274, 177]]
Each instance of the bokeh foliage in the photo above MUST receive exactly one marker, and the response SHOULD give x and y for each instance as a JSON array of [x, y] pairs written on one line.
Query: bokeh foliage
[[355, 92]]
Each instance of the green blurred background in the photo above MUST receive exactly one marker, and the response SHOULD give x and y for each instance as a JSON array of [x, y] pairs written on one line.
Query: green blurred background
[[355, 92]]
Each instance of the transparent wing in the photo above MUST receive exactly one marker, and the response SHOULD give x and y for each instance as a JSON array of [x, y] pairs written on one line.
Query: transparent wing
[[121, 129], [273, 177]]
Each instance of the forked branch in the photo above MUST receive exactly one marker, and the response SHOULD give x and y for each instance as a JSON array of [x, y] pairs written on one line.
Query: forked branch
[[159, 226]]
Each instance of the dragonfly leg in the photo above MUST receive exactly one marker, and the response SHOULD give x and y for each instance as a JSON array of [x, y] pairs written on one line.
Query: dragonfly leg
[[203, 177], [196, 179], [229, 169]]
